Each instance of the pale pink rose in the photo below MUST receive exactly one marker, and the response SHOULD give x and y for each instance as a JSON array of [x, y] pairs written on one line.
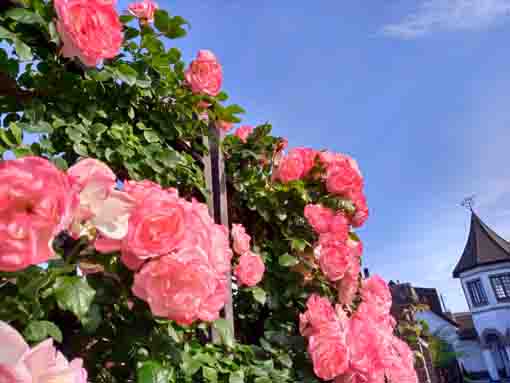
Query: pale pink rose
[[401, 362], [224, 126], [204, 75], [179, 286], [241, 239], [43, 363], [295, 165], [334, 260], [250, 269], [143, 10], [319, 312], [376, 291], [131, 261], [329, 352], [243, 132], [156, 225], [89, 29], [101, 205], [347, 287], [319, 217], [36, 204]]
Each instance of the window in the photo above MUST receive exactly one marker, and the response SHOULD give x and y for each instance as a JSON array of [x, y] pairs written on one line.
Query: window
[[478, 297], [501, 286]]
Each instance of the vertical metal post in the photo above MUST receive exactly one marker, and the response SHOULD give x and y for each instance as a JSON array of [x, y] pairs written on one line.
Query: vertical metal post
[[214, 170]]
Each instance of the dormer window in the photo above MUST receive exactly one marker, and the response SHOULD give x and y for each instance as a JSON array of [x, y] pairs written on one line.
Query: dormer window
[[501, 285], [477, 293]]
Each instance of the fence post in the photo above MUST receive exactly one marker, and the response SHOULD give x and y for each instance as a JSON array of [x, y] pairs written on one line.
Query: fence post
[[214, 171]]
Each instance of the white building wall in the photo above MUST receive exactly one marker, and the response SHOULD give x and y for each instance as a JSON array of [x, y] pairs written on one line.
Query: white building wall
[[494, 315], [470, 355]]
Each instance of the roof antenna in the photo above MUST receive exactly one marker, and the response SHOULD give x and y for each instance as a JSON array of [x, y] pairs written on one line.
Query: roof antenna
[[468, 202]]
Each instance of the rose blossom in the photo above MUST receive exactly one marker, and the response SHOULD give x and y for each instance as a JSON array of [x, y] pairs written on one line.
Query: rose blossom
[[342, 179], [43, 363], [241, 239], [204, 75], [318, 313], [334, 259], [361, 213], [144, 10], [376, 291], [181, 286], [319, 217], [250, 269], [156, 225], [243, 132], [296, 165], [36, 203], [89, 29], [224, 126]]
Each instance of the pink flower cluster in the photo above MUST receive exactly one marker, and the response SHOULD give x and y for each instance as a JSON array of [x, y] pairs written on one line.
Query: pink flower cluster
[[43, 363], [250, 268], [341, 175], [180, 256], [360, 348], [339, 256], [89, 29]]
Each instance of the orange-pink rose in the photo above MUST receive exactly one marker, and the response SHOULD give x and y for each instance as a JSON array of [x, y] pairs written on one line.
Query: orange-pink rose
[[319, 217], [241, 239], [224, 126], [89, 29], [204, 75], [334, 259], [36, 203], [143, 10], [156, 226], [376, 291], [250, 269], [295, 165]]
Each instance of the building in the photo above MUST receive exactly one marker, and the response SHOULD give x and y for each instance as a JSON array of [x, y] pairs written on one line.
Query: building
[[484, 273]]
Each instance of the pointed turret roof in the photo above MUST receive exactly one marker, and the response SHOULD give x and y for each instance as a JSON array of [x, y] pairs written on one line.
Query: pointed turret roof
[[483, 247]]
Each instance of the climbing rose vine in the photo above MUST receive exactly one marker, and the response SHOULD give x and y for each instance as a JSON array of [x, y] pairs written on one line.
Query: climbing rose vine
[[112, 267]]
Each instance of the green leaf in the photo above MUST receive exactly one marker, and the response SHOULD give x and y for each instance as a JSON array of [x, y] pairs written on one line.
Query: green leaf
[[263, 379], [210, 374], [171, 27], [37, 127], [224, 330], [151, 136], [81, 149], [37, 331], [22, 15], [236, 377], [124, 19], [287, 260], [127, 74], [259, 295], [153, 372], [22, 50], [74, 294]]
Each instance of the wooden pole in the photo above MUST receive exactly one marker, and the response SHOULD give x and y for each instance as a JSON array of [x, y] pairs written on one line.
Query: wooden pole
[[214, 170]]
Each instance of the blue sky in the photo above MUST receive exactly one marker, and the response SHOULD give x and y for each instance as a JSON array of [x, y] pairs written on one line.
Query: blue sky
[[417, 91]]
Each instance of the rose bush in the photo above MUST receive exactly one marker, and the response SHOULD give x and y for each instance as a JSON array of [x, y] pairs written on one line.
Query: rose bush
[[109, 249]]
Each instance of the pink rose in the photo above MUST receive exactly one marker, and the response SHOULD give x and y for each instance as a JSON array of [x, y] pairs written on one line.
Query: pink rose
[[156, 225], [204, 75], [401, 366], [329, 352], [243, 132], [319, 217], [318, 313], [296, 165], [224, 126], [343, 179], [144, 10], [36, 203], [19, 363], [181, 286], [241, 239], [89, 29], [250, 269], [90, 170], [361, 213], [139, 190], [376, 291], [334, 260]]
